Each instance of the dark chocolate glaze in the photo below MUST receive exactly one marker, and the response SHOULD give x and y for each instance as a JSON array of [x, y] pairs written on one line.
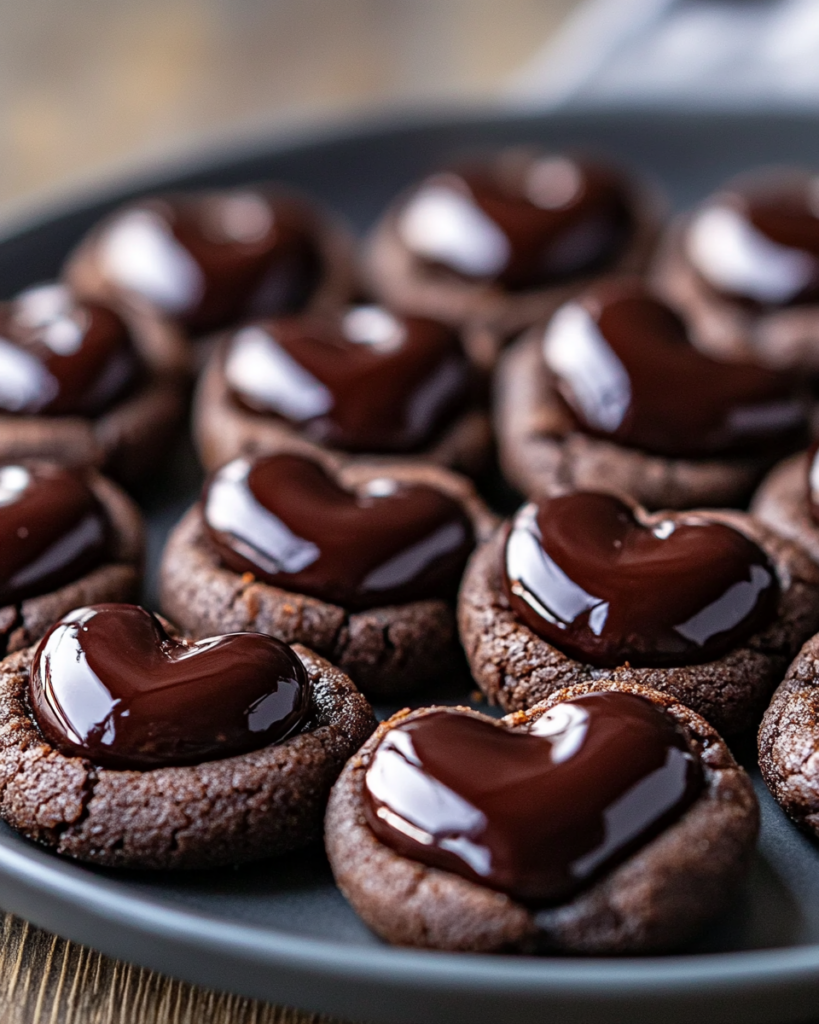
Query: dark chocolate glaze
[[52, 530], [623, 363], [759, 239], [283, 519], [109, 684], [208, 259], [536, 814], [519, 222], [60, 356], [367, 380], [590, 577]]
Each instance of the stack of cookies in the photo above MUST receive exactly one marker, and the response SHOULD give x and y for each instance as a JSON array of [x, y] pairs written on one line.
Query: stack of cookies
[[525, 324]]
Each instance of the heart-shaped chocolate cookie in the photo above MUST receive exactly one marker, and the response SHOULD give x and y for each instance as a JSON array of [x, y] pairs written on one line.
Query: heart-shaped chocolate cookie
[[758, 239], [608, 584], [537, 813], [286, 521], [623, 363], [109, 684], [60, 356], [520, 222], [52, 530], [367, 380], [208, 259]]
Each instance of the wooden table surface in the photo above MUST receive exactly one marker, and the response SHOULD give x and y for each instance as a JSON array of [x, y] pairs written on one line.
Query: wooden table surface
[[46, 980]]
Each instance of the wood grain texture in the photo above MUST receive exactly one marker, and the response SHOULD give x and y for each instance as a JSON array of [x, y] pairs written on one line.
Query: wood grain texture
[[46, 980]]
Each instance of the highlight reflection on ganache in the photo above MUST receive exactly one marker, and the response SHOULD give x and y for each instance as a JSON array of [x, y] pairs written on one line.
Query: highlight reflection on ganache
[[60, 356], [283, 519], [813, 482], [108, 683], [367, 380], [603, 586], [208, 259], [519, 223], [53, 530], [622, 361], [535, 814], [758, 240]]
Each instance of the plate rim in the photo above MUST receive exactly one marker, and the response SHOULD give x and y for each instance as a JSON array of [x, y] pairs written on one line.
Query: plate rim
[[73, 884]]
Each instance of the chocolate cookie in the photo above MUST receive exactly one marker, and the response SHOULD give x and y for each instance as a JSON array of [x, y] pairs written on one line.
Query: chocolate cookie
[[67, 537], [789, 739], [229, 807], [360, 561], [180, 266], [360, 380], [744, 269], [707, 606], [610, 394], [512, 865], [76, 388], [496, 246], [787, 501]]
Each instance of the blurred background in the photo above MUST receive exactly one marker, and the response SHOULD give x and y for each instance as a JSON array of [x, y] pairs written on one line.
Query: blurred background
[[87, 86]]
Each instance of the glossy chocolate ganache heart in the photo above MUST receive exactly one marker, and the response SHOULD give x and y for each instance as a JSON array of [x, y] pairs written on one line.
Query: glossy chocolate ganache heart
[[108, 683], [207, 259], [367, 380], [758, 240], [537, 814], [53, 530], [608, 584], [520, 222], [60, 356], [286, 521], [622, 362]]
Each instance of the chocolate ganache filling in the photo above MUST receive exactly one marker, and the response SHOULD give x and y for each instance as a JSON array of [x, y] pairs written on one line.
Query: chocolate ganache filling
[[53, 530], [108, 683], [286, 521], [537, 814], [207, 259], [368, 380], [759, 240], [622, 362], [519, 222], [60, 356], [606, 584]]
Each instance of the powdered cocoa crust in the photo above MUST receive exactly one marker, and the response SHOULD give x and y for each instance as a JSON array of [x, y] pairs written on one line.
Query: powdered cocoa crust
[[785, 337], [385, 650], [241, 808], [543, 452], [118, 579], [781, 503], [162, 342], [789, 740], [124, 440], [222, 430], [515, 668], [488, 314], [657, 899]]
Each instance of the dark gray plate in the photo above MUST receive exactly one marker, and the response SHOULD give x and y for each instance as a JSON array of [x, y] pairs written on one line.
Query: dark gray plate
[[280, 930]]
